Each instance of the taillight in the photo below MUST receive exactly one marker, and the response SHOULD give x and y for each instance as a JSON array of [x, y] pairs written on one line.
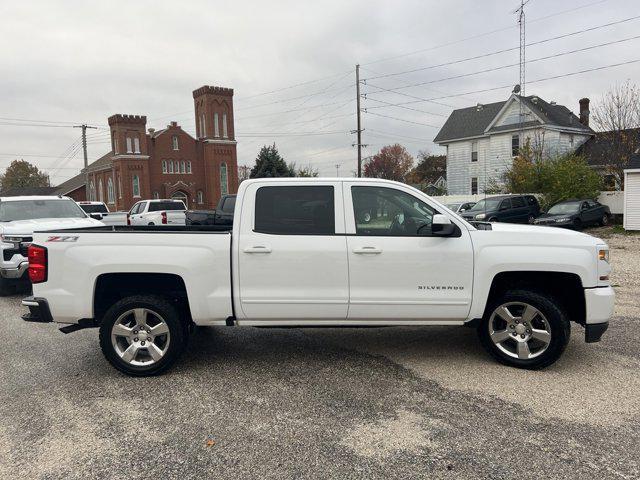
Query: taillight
[[37, 264], [128, 219], [164, 218]]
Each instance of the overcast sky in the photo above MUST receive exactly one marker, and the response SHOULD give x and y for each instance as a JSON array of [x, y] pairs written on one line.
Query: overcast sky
[[66, 62]]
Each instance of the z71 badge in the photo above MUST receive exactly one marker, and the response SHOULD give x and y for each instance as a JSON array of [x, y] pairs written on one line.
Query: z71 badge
[[63, 238]]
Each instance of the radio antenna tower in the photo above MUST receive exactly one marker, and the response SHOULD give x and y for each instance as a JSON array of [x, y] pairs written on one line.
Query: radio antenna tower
[[520, 88]]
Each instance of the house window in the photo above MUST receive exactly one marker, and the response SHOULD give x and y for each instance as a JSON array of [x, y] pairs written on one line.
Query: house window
[[100, 191], [111, 198], [224, 179], [174, 142], [129, 145], [203, 126], [189, 167], [170, 166], [183, 167], [474, 151], [176, 166], [515, 145], [571, 140], [474, 185], [216, 127], [119, 186], [164, 166], [225, 133], [156, 195], [92, 191], [136, 145], [136, 186], [200, 197]]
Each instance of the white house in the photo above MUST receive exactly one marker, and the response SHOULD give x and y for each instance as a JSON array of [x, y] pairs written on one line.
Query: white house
[[632, 195], [482, 141]]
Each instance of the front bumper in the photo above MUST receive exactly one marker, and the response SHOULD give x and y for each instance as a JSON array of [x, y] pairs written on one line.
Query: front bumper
[[38, 310], [14, 272], [599, 304]]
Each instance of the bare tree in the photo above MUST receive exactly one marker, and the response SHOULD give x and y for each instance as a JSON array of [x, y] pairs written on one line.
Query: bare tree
[[617, 117]]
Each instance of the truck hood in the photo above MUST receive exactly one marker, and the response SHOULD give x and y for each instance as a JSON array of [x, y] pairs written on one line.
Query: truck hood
[[551, 233], [27, 227]]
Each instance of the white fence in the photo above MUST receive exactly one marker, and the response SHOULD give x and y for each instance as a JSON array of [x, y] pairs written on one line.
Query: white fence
[[614, 200]]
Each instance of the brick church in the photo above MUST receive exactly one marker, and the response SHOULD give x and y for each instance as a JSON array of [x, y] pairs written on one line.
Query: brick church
[[168, 163]]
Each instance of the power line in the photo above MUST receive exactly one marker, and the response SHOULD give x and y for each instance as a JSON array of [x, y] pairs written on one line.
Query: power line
[[407, 108], [505, 50], [401, 119], [502, 67], [603, 67], [473, 37]]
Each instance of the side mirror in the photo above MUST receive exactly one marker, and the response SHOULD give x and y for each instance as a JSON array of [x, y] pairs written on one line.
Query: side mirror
[[441, 226], [96, 216], [463, 210]]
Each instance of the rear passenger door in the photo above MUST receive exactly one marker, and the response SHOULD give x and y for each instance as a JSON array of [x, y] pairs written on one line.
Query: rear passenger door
[[292, 259], [520, 211]]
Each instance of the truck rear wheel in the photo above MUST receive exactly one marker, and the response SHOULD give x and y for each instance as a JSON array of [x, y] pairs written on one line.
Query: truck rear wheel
[[525, 329], [142, 335]]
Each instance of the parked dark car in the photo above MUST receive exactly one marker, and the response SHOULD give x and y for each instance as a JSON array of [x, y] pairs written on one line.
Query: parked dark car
[[505, 208], [222, 215], [575, 214]]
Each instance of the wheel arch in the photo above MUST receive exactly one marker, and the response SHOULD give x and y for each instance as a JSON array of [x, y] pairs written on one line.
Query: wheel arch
[[111, 287], [564, 287]]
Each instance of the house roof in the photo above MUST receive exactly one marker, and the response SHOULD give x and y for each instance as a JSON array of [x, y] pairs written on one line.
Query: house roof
[[22, 191], [103, 162], [70, 185], [597, 150], [474, 121]]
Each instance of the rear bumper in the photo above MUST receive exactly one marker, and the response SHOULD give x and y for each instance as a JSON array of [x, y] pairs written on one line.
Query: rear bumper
[[38, 310], [14, 272]]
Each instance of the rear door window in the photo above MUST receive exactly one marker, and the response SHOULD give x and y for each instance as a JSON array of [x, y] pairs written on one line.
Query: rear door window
[[517, 202], [506, 204], [296, 210]]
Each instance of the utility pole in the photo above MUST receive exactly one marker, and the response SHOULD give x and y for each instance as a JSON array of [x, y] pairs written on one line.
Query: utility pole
[[84, 127], [337, 170], [359, 130]]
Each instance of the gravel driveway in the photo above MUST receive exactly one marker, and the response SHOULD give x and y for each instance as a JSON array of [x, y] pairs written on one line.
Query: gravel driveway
[[335, 403]]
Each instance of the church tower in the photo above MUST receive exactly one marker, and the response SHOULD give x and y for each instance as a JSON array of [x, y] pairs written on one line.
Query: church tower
[[215, 130]]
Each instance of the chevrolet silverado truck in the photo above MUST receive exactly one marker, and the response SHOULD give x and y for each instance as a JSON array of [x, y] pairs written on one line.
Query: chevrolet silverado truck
[[322, 253], [157, 212], [99, 211], [19, 217]]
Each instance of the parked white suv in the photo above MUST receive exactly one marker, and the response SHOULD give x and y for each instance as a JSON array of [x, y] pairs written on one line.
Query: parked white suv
[[19, 218], [157, 212], [323, 253]]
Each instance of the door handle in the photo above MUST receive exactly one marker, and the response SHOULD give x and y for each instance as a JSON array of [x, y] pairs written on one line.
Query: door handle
[[365, 250], [257, 249]]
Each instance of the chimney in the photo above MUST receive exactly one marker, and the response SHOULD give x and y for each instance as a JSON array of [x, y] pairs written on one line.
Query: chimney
[[584, 111]]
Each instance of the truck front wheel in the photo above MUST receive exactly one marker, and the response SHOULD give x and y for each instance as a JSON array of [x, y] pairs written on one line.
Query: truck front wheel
[[142, 335], [525, 329]]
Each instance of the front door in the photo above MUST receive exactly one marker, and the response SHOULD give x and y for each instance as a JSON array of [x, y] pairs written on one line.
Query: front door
[[292, 261], [396, 269]]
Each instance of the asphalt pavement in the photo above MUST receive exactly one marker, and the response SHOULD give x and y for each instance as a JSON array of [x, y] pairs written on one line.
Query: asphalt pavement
[[315, 403]]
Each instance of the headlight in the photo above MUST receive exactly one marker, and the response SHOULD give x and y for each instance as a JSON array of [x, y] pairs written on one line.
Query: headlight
[[480, 216], [562, 220], [11, 239], [604, 268]]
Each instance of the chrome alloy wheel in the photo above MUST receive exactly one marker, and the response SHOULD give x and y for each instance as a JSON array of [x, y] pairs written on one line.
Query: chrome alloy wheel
[[140, 337], [519, 330]]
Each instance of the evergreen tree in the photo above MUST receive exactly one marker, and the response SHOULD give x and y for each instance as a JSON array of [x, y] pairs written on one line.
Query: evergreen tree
[[269, 163]]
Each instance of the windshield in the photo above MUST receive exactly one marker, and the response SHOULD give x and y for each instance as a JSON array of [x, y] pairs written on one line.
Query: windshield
[[97, 208], [453, 206], [563, 208], [33, 209], [488, 204]]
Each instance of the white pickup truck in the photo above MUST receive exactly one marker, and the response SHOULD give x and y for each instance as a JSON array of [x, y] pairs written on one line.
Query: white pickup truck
[[323, 253], [99, 211], [19, 218], [157, 212]]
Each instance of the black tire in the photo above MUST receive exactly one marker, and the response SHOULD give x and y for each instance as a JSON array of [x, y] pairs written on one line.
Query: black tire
[[493, 219], [151, 223], [157, 305], [6, 288], [558, 322], [604, 221]]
